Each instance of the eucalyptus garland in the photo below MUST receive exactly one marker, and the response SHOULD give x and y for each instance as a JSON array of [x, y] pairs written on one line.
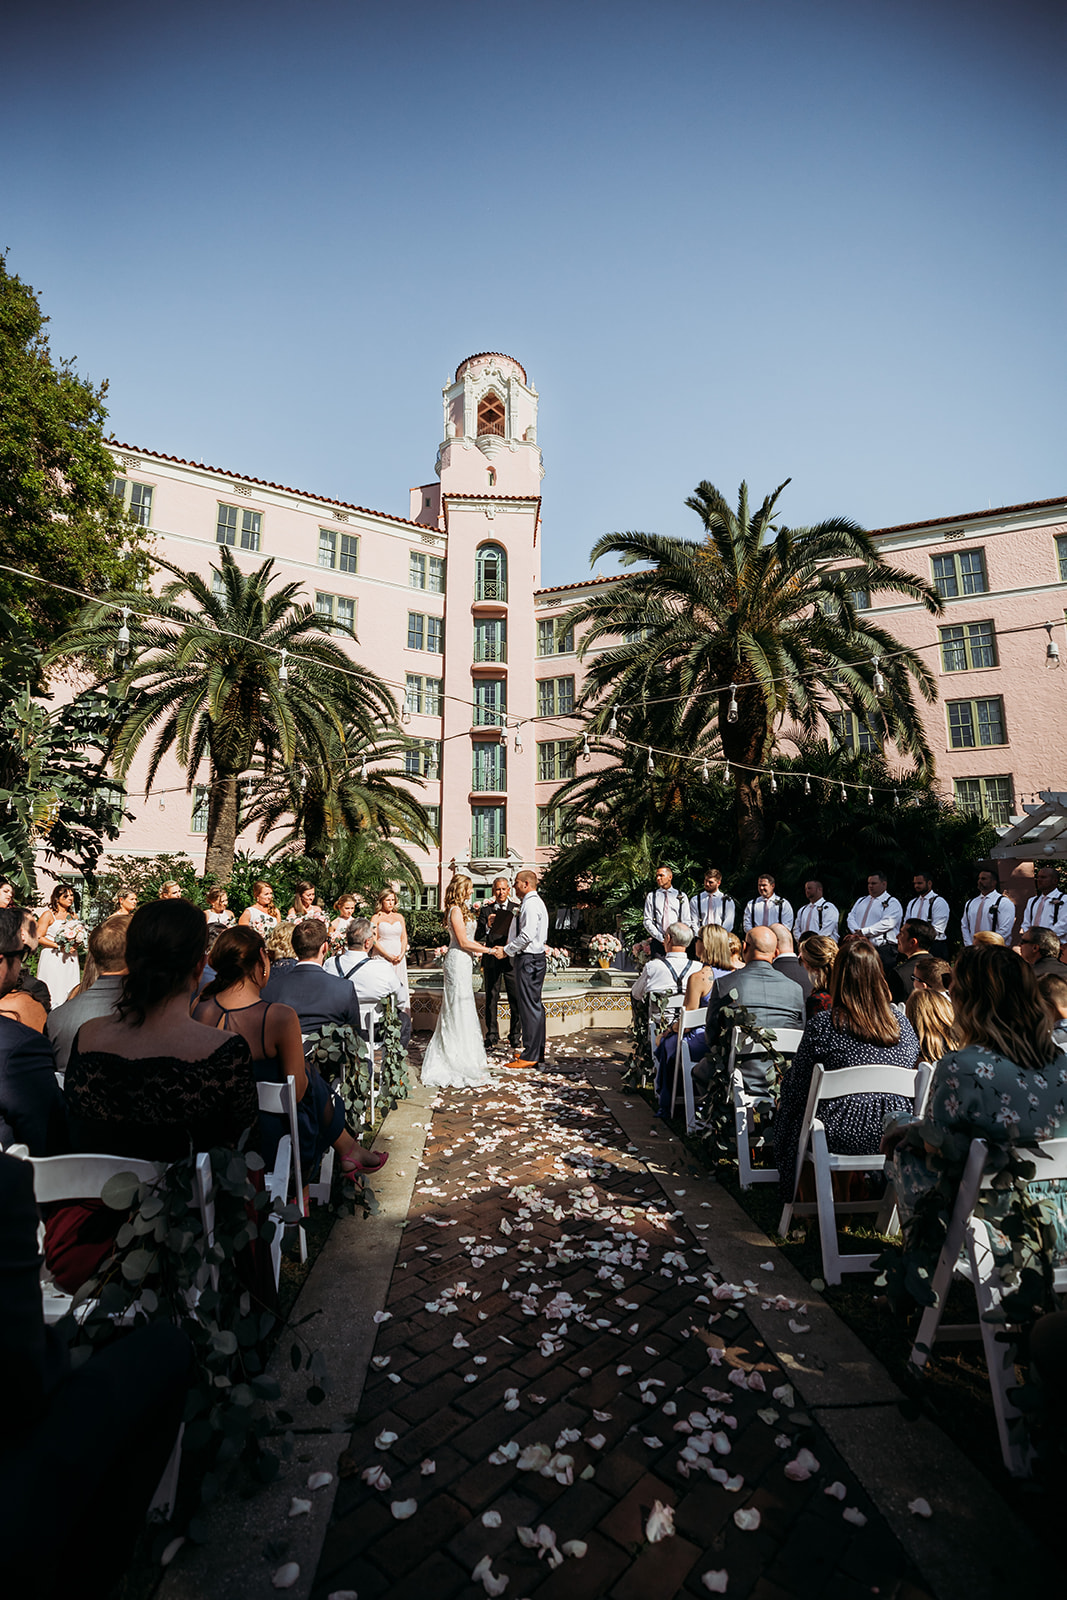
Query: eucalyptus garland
[[393, 1082], [717, 1107]]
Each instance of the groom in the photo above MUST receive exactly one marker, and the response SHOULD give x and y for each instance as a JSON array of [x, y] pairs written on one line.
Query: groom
[[527, 950]]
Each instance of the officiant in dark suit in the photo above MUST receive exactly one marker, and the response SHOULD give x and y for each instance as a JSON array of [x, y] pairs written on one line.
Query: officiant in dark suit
[[494, 929]]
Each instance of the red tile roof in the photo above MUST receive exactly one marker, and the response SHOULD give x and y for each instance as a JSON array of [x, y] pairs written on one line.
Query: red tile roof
[[614, 577], [265, 483], [973, 516]]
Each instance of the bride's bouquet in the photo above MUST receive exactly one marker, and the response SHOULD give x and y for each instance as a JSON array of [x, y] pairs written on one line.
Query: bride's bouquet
[[69, 936]]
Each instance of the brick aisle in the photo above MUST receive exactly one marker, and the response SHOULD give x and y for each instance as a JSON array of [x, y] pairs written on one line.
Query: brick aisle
[[545, 1295]]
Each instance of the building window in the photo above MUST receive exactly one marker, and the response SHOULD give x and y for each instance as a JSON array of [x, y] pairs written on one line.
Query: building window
[[422, 758], [555, 697], [490, 703], [975, 723], [555, 761], [972, 644], [635, 635], [960, 572], [986, 797], [426, 572], [549, 643], [433, 814], [487, 831], [425, 633], [135, 499], [339, 551], [490, 573], [490, 639], [198, 820], [218, 587], [335, 609], [858, 593], [489, 767], [550, 830], [1061, 555], [235, 526], [491, 415], [851, 734], [424, 900], [423, 695]]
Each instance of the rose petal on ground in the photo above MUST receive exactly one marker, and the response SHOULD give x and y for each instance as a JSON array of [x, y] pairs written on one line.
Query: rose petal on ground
[[299, 1508], [602, 1416], [171, 1551], [491, 1519], [854, 1515], [623, 1372], [492, 1583], [376, 1477], [286, 1576], [799, 1327], [784, 1393], [597, 1442], [575, 1547], [755, 1382], [383, 1316], [715, 1582], [660, 1523], [526, 1537], [747, 1518], [428, 1467], [534, 1458], [319, 1480], [385, 1439], [403, 1509], [766, 1266], [733, 1485], [920, 1508], [836, 1490]]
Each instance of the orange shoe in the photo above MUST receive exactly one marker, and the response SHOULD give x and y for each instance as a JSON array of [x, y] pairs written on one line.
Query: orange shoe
[[519, 1062]]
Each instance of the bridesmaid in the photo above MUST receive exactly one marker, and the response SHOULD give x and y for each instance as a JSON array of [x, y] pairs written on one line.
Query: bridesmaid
[[304, 903], [261, 914], [218, 909], [126, 902], [58, 968], [391, 939], [345, 906]]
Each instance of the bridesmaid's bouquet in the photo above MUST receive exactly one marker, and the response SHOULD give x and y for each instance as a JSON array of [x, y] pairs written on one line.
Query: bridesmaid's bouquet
[[69, 936], [641, 952]]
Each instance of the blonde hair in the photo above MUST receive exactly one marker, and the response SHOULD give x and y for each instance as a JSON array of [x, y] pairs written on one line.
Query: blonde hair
[[818, 952], [259, 886], [280, 941], [387, 893], [458, 892], [931, 1014], [715, 943], [736, 946], [165, 888], [341, 898], [987, 936]]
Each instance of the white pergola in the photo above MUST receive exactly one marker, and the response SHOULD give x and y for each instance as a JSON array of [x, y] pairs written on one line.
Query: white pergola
[[1041, 835]]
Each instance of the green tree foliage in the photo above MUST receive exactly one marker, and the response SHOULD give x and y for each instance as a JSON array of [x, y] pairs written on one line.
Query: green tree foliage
[[760, 606], [58, 517], [206, 678]]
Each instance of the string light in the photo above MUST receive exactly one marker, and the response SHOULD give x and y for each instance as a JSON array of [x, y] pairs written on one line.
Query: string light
[[303, 782], [650, 765], [122, 639], [503, 740], [731, 710], [586, 752], [807, 784], [726, 773], [879, 681], [363, 770], [518, 739], [774, 784], [283, 669], [613, 725], [844, 796], [405, 714], [1052, 649], [870, 796], [704, 774], [896, 797]]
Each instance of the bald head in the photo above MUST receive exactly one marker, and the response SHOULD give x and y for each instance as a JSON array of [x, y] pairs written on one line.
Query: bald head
[[782, 938], [760, 944]]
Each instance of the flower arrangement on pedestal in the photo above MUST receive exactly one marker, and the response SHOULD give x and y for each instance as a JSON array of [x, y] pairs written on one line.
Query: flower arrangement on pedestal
[[557, 959], [602, 946]]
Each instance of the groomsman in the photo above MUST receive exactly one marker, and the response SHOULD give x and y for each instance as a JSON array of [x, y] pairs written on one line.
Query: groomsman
[[989, 911], [929, 907], [878, 915], [526, 947], [1048, 907], [663, 905], [767, 908], [818, 915], [712, 907]]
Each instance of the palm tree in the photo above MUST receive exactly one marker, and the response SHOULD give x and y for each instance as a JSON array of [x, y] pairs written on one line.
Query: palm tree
[[755, 622], [318, 801], [210, 679]]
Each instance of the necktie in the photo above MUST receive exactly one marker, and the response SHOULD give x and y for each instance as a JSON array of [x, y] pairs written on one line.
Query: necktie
[[980, 924], [867, 912], [1040, 909], [666, 912]]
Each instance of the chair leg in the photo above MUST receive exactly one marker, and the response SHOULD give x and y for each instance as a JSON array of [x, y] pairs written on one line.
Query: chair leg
[[824, 1198], [161, 1508], [688, 1092], [999, 1353]]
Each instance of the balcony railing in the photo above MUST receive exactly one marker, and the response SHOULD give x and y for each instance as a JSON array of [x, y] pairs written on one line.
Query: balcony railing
[[491, 845], [490, 649], [488, 717], [491, 589], [493, 782]]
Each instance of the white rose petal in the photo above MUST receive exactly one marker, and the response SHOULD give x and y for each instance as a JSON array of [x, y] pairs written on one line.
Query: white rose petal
[[286, 1576], [574, 1547], [766, 1266], [836, 1490], [920, 1508], [171, 1551], [385, 1439], [660, 1524], [299, 1508], [526, 1537], [460, 1343], [376, 1478], [747, 1518], [428, 1467], [490, 1582], [623, 1372], [491, 1519], [733, 1485], [402, 1509], [534, 1458], [383, 1316], [715, 1582], [602, 1416], [319, 1480], [784, 1393], [854, 1515], [799, 1327]]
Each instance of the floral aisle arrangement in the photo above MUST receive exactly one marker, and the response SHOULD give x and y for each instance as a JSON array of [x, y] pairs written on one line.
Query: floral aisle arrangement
[[557, 959]]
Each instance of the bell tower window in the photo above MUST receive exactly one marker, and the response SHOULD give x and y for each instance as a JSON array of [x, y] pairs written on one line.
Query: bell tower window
[[491, 415], [490, 573]]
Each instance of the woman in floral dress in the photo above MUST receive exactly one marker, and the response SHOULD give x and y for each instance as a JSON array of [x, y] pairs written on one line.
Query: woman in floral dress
[[261, 914]]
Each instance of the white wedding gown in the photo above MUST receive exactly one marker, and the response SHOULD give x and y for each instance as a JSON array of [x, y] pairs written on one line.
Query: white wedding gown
[[455, 1056]]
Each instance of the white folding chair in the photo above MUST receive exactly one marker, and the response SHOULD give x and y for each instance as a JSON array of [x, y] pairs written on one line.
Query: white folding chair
[[877, 1078], [746, 1102], [279, 1099], [967, 1253], [683, 1063], [661, 1013], [369, 1015]]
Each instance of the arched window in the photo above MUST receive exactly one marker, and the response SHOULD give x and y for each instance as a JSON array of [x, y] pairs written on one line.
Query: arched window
[[491, 414], [490, 573]]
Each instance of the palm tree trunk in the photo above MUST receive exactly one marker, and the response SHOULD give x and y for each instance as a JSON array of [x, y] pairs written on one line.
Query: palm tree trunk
[[221, 824], [749, 807]]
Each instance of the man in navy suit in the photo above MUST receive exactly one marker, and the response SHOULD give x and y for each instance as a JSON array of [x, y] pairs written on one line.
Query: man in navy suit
[[317, 997], [773, 1000], [32, 1109]]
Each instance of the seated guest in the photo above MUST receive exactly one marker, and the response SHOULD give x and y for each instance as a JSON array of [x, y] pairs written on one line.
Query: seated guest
[[107, 949], [713, 948], [860, 1028], [373, 980], [318, 998], [81, 1450], [713, 951], [1053, 989], [28, 984], [279, 939], [668, 973], [737, 952], [785, 961], [818, 952], [147, 1080], [1040, 949], [1003, 1083], [986, 936], [32, 1110], [931, 972], [931, 1014], [233, 1003], [915, 940], [772, 999]]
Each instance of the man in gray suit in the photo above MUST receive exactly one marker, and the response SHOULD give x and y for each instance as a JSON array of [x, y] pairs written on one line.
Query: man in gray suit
[[772, 999]]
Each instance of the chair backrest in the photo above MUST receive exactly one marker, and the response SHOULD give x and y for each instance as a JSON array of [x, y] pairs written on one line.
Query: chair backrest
[[369, 1014], [82, 1177], [274, 1097], [786, 1042], [877, 1077], [692, 1019]]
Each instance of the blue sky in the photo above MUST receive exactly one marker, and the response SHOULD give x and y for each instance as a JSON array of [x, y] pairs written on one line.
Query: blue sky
[[761, 239]]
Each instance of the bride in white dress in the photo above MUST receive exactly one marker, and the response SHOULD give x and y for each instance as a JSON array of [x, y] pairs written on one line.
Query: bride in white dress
[[455, 1056]]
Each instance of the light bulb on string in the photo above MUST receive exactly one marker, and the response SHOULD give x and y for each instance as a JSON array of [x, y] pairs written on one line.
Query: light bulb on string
[[896, 797], [518, 739], [405, 714], [774, 784], [122, 638], [650, 765], [162, 803], [1052, 649], [704, 774], [844, 796], [870, 796], [726, 773], [303, 782], [503, 740], [363, 769], [807, 784], [283, 669], [731, 710], [879, 681], [586, 752], [613, 725]]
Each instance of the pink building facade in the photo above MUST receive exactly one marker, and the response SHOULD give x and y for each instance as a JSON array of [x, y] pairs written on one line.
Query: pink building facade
[[448, 609]]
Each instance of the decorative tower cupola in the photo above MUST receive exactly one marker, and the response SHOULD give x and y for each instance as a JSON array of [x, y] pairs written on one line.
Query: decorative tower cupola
[[490, 443]]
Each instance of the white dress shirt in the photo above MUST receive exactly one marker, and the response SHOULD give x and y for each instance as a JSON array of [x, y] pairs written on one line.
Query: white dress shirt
[[1048, 911], [931, 908], [662, 907], [817, 916], [992, 912], [760, 913], [714, 910], [371, 977], [877, 917], [529, 929], [667, 974]]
